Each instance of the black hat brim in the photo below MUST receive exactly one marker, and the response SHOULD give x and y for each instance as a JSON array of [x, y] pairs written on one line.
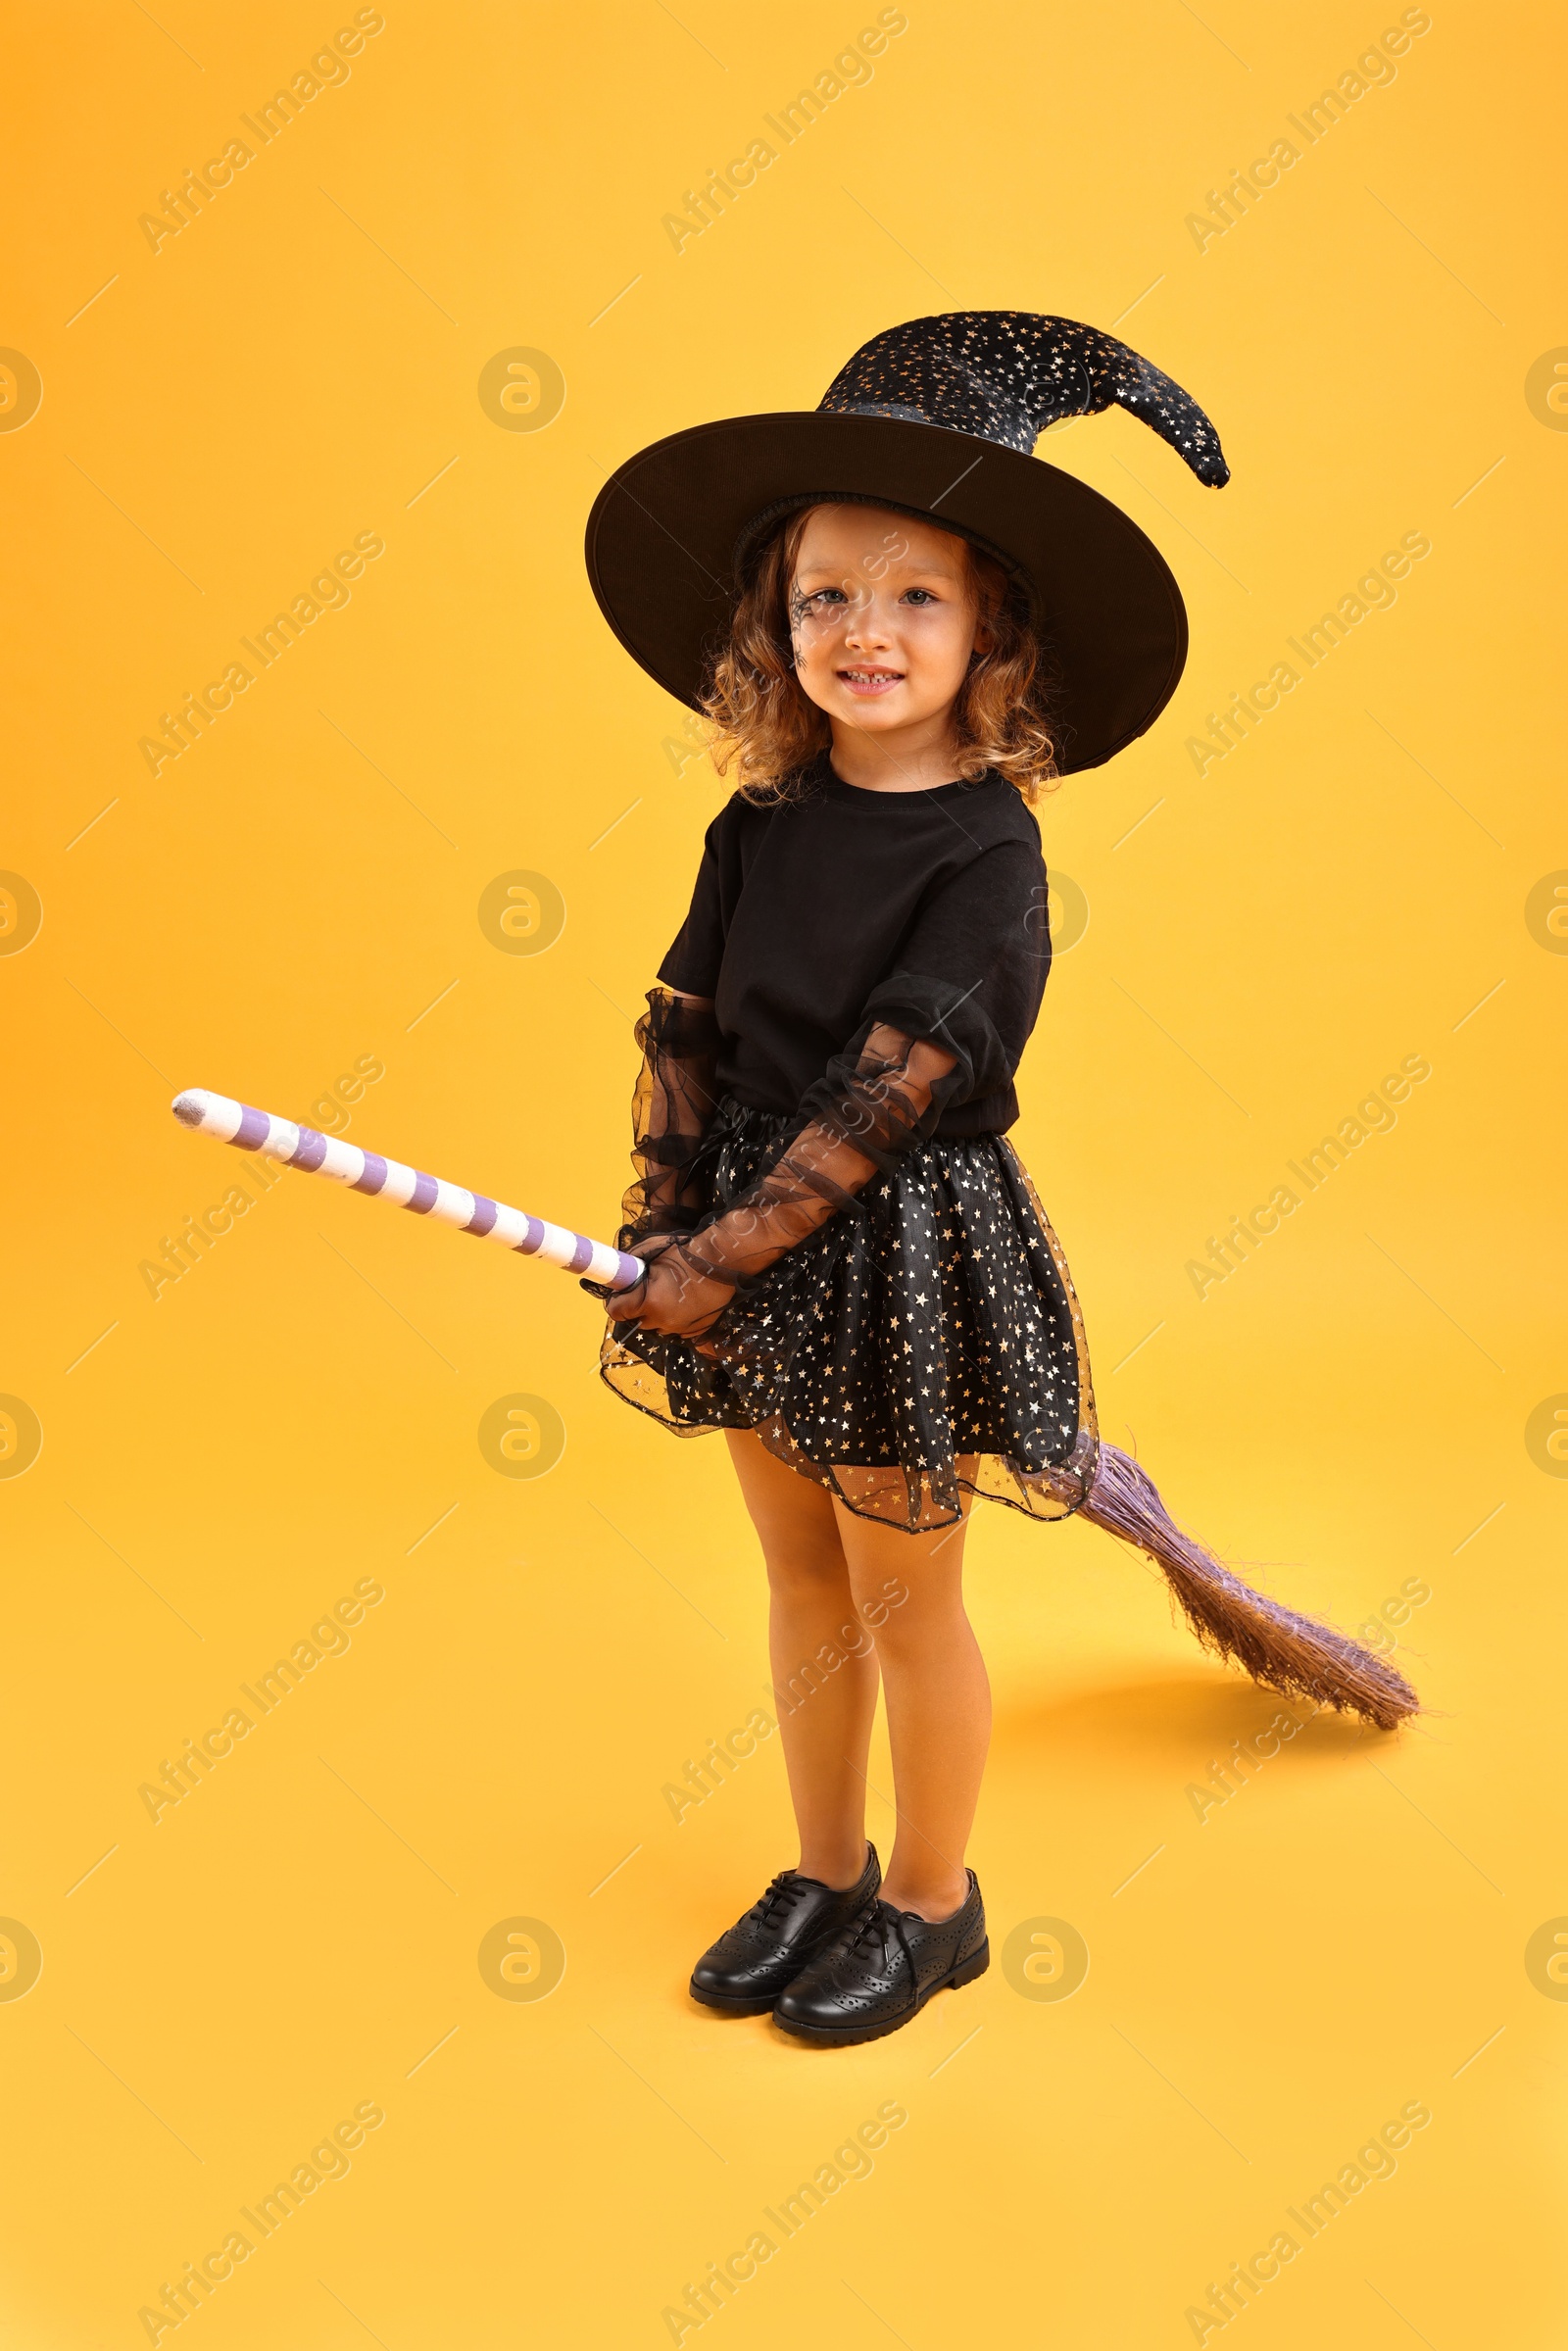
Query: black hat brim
[[664, 530]]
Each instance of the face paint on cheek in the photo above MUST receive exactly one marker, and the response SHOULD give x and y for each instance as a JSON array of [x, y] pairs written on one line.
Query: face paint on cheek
[[799, 608]]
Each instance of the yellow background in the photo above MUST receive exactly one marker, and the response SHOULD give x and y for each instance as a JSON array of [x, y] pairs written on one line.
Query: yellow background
[[296, 1413]]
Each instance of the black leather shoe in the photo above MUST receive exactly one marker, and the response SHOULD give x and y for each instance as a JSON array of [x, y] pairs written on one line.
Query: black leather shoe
[[751, 1962], [881, 1972]]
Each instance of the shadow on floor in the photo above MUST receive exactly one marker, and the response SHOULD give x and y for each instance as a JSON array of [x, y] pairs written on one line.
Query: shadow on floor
[[1169, 1719]]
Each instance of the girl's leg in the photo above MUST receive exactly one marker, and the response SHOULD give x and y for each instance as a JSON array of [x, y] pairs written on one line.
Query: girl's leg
[[825, 1710], [938, 1700]]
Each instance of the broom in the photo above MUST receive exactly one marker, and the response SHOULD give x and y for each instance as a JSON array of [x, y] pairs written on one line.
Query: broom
[[1285, 1651]]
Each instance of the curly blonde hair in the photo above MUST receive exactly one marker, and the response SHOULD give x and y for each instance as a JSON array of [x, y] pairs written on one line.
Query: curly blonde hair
[[770, 731]]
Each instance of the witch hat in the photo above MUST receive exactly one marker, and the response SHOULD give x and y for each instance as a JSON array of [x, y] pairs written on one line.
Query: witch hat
[[937, 419]]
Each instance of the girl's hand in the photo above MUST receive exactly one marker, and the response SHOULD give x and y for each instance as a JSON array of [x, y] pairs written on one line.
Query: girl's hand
[[672, 1296]]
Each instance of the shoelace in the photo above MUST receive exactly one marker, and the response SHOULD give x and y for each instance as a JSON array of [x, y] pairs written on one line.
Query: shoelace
[[775, 1902], [881, 1920]]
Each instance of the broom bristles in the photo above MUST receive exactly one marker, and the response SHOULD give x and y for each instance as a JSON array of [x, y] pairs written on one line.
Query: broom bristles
[[1280, 1648]]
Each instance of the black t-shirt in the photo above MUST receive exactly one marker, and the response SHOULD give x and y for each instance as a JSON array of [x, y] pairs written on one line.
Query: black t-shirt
[[815, 919]]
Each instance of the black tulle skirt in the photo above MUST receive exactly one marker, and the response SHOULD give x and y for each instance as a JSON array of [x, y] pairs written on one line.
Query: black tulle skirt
[[922, 1345]]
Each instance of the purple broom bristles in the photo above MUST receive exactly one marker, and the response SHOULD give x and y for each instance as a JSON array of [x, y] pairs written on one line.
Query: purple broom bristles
[[1290, 1654]]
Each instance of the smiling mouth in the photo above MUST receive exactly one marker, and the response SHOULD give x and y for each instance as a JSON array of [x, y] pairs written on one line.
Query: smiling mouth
[[871, 681]]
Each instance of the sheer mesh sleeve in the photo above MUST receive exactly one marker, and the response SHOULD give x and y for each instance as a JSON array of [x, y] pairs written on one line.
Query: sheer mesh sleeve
[[875, 1111], [671, 1109]]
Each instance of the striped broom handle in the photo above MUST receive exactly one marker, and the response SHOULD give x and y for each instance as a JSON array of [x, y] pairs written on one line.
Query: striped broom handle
[[409, 1188]]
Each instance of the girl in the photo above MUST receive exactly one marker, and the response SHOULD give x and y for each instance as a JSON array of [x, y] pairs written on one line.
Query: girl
[[847, 1269]]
